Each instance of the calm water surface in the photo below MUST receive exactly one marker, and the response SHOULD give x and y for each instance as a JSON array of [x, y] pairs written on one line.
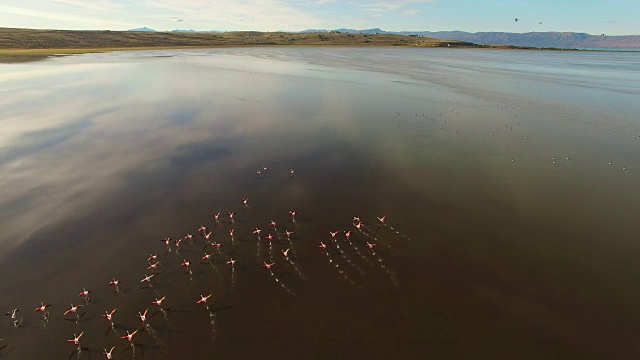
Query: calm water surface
[[509, 180]]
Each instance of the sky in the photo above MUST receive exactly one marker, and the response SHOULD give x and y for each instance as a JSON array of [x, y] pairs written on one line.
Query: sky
[[612, 17]]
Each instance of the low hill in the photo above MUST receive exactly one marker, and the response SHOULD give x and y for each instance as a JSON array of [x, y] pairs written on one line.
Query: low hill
[[42, 39]]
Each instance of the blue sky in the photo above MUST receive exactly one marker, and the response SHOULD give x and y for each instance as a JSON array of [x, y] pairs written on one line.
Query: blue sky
[[612, 17]]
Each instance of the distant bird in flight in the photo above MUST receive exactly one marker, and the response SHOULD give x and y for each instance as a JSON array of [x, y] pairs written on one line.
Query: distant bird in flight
[[516, 19], [540, 23]]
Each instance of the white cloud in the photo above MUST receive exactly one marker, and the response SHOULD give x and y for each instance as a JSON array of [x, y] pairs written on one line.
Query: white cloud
[[77, 20], [262, 15]]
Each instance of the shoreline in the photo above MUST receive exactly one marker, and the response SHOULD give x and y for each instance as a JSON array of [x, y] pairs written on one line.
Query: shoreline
[[29, 45], [22, 55]]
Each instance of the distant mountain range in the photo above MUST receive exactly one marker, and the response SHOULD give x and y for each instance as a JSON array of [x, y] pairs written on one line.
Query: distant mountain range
[[532, 39], [146, 29], [541, 39]]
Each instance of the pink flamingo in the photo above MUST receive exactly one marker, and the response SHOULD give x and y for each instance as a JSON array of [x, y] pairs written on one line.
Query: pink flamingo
[[129, 336], [73, 309], [147, 279], [76, 339], [203, 299], [159, 301], [143, 316], [108, 354], [109, 315], [42, 307]]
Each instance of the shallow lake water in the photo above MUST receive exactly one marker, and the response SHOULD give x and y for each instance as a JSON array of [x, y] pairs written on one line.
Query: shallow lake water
[[509, 181]]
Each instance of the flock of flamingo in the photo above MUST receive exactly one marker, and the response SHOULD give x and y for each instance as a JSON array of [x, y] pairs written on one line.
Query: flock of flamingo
[[353, 248], [509, 126]]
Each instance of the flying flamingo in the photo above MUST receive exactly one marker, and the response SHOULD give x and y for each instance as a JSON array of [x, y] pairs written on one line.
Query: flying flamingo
[[216, 217], [129, 336], [269, 237], [202, 229], [159, 301], [42, 307], [288, 233], [206, 257], [286, 253], [186, 264], [272, 223], [333, 234], [152, 257], [188, 238], [322, 246], [143, 316], [293, 214], [381, 219], [207, 235], [245, 201], [85, 293], [167, 241], [231, 216], [257, 232], [292, 172], [109, 315], [108, 354], [13, 314], [268, 266], [76, 339], [73, 309], [203, 299], [370, 246], [147, 279], [231, 262], [154, 265]]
